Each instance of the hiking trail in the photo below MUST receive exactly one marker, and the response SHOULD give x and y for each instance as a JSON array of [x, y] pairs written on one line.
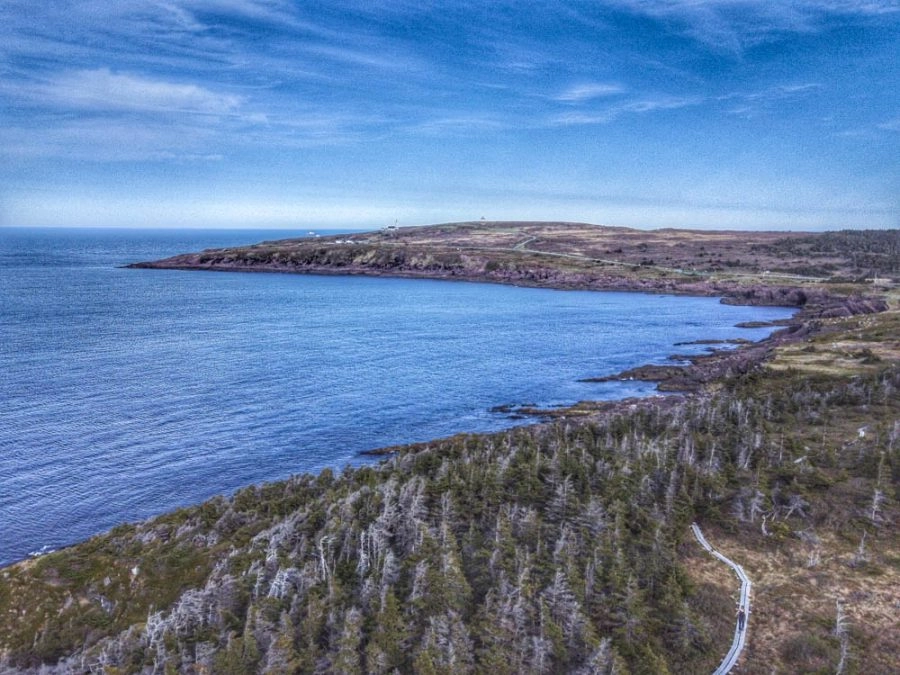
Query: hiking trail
[[740, 636]]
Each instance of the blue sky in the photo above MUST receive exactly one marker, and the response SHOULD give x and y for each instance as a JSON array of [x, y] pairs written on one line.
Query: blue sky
[[276, 113]]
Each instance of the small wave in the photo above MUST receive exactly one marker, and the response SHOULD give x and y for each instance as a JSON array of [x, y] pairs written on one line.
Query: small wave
[[43, 550]]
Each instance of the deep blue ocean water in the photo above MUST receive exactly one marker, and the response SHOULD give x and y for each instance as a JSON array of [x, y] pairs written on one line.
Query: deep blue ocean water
[[126, 393]]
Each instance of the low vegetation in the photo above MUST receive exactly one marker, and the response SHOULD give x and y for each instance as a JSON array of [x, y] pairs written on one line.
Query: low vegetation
[[857, 254], [587, 256]]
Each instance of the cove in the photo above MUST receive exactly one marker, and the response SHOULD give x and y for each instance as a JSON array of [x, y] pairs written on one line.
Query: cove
[[127, 393]]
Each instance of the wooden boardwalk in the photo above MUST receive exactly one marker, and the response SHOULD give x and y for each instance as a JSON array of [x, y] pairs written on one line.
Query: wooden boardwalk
[[740, 636]]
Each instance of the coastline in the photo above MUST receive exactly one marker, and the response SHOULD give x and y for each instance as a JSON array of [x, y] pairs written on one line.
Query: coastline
[[836, 350], [744, 268], [456, 252], [685, 375], [538, 415]]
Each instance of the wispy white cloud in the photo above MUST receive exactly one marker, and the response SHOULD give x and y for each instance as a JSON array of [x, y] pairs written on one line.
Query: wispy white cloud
[[105, 140], [734, 25], [761, 101], [637, 106], [311, 128], [462, 125], [369, 59], [275, 11], [590, 90], [127, 137], [153, 120], [245, 41], [745, 104], [201, 16], [890, 125], [104, 90]]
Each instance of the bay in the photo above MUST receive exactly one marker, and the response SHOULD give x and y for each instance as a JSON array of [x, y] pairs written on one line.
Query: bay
[[126, 393]]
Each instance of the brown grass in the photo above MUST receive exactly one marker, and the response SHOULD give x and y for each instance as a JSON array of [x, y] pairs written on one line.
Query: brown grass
[[793, 603], [855, 345]]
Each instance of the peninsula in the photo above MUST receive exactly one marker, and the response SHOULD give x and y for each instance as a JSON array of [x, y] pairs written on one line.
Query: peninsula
[[564, 546], [772, 268]]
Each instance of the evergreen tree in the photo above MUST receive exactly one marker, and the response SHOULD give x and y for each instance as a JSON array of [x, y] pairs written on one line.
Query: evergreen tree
[[386, 648], [347, 660]]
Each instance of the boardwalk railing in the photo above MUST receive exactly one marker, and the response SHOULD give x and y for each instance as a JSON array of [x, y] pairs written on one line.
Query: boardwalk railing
[[740, 635]]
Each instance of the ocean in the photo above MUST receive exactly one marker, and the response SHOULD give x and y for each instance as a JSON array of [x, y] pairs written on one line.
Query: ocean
[[126, 393]]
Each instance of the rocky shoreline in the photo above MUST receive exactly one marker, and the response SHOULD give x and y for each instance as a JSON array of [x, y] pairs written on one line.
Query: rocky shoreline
[[700, 371], [815, 302], [485, 253], [421, 259]]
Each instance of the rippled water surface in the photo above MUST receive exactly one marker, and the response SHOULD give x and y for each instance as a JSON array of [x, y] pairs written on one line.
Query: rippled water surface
[[125, 393]]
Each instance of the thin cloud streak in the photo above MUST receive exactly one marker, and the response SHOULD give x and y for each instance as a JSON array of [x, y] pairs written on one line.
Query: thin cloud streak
[[459, 126], [747, 104], [102, 140], [754, 103], [734, 25], [589, 91], [103, 90], [638, 106]]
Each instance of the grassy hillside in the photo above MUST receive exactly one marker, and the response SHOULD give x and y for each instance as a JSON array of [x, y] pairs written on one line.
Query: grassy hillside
[[581, 255]]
